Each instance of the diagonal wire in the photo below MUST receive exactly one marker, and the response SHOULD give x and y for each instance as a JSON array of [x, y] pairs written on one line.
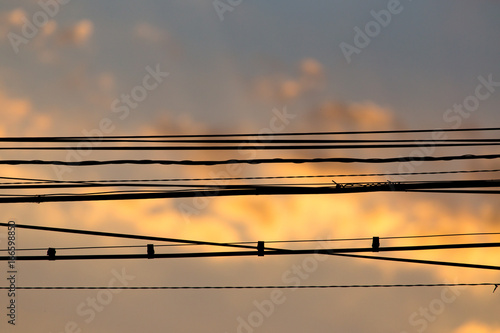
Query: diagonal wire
[[337, 286]]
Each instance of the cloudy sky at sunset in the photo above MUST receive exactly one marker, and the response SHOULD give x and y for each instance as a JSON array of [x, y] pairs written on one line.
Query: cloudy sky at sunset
[[77, 68]]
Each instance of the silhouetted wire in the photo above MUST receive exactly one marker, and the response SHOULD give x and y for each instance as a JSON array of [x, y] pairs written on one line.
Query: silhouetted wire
[[267, 242], [240, 190], [129, 236], [255, 147], [459, 191], [252, 161], [335, 286], [38, 180], [260, 135], [419, 261], [259, 140], [273, 251], [170, 185]]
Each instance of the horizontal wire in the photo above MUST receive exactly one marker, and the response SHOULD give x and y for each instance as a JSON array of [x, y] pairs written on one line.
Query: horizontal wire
[[459, 191], [252, 141], [478, 129], [37, 181], [253, 161], [257, 147], [255, 190], [264, 251], [269, 242], [337, 286]]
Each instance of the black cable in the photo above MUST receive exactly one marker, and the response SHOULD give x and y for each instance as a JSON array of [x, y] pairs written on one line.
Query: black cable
[[258, 147], [248, 141], [338, 286], [267, 241], [347, 252], [255, 190], [459, 191], [239, 245], [253, 161], [121, 235], [260, 135], [419, 261], [170, 185], [38, 181]]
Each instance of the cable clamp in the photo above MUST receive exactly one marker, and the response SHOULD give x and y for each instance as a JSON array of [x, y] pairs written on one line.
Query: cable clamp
[[151, 251], [260, 248], [51, 252], [375, 244]]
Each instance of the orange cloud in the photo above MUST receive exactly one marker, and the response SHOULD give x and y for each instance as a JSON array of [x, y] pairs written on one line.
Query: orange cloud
[[476, 327], [78, 34], [280, 87]]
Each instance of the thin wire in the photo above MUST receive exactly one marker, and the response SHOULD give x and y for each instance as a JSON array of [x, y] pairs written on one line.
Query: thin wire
[[267, 242], [252, 190], [253, 161], [247, 141], [38, 181], [260, 135], [345, 286], [459, 191], [121, 235], [259, 141], [258, 147]]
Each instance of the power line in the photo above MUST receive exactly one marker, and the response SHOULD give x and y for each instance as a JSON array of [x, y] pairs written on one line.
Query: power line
[[419, 261], [337, 286], [260, 135], [258, 147], [345, 252], [252, 161], [240, 190], [260, 250], [38, 180], [128, 236], [259, 141], [267, 242], [459, 191]]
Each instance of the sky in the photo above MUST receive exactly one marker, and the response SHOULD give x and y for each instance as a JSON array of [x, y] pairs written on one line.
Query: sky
[[94, 68]]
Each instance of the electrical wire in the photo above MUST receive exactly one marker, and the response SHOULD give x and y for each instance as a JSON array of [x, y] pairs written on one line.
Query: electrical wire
[[38, 180], [260, 135], [255, 190], [267, 242], [252, 161], [257, 147], [336, 286]]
